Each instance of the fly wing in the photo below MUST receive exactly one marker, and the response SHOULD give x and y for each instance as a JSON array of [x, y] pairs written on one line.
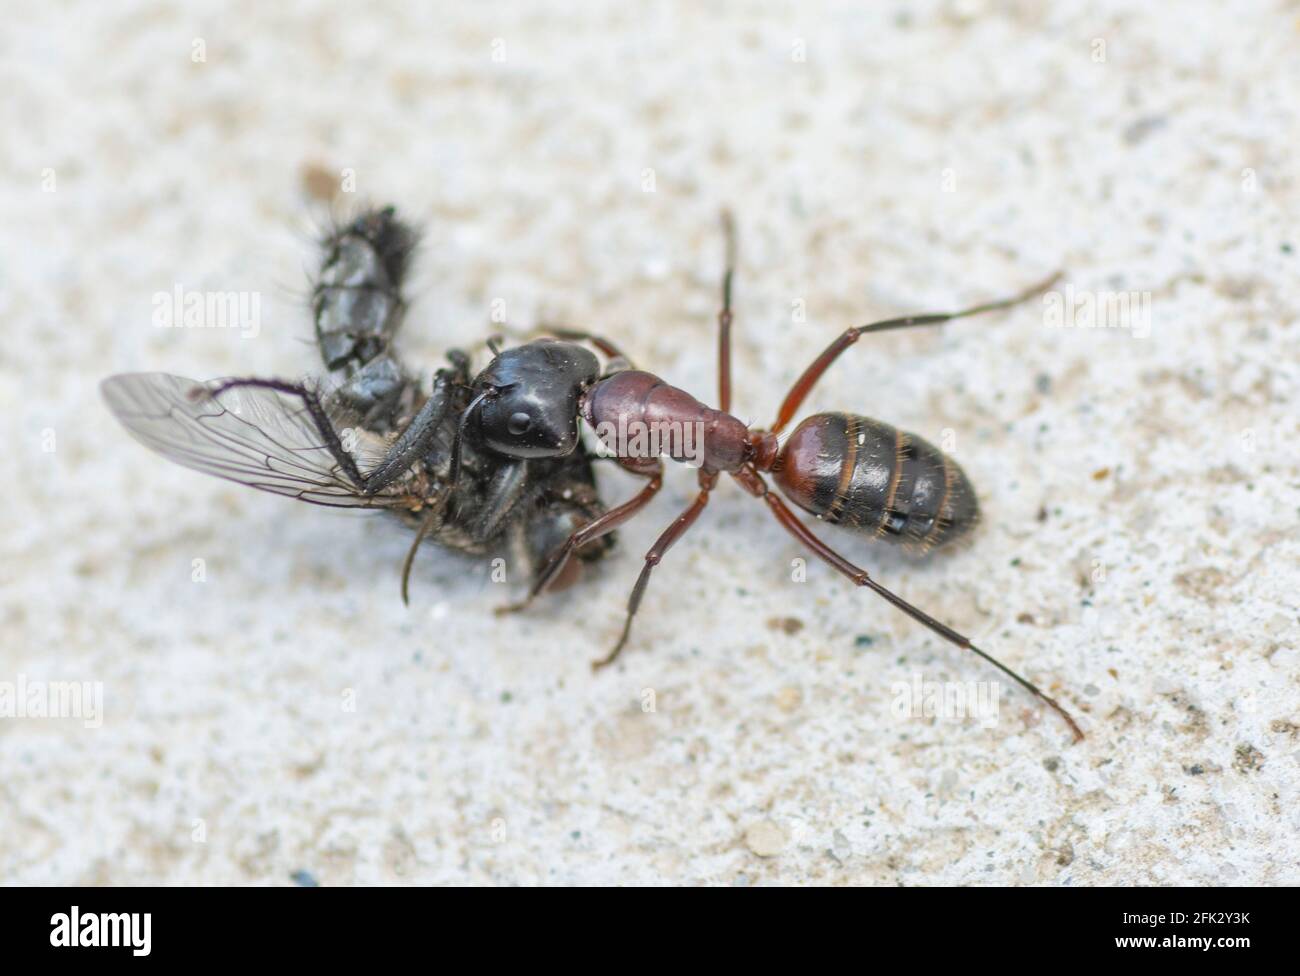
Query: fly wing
[[260, 437]]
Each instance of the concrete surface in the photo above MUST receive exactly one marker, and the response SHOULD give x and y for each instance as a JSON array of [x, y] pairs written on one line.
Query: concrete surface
[[286, 720]]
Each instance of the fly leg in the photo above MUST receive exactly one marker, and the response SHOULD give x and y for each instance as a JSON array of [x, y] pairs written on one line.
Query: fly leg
[[414, 442]]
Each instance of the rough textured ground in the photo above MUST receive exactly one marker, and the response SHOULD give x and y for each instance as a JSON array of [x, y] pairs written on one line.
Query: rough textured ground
[[1140, 482]]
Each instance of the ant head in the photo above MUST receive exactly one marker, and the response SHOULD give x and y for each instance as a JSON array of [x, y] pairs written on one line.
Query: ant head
[[531, 410]]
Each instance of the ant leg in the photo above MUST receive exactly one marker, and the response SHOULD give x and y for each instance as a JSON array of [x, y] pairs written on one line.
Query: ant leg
[[410, 446], [754, 483], [618, 358], [803, 386], [656, 554], [590, 532], [724, 316]]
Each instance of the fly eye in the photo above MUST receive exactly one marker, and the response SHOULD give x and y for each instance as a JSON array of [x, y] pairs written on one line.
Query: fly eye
[[519, 423]]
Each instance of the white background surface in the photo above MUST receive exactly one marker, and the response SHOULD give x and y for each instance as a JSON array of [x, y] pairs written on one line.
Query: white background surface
[[1157, 597]]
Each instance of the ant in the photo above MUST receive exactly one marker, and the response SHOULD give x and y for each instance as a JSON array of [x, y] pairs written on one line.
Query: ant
[[844, 469]]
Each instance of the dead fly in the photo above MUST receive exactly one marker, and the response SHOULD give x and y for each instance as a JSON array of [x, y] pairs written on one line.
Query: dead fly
[[514, 429], [375, 440]]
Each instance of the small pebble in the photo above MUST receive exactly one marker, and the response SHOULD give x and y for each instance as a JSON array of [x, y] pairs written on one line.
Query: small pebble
[[765, 838], [789, 698]]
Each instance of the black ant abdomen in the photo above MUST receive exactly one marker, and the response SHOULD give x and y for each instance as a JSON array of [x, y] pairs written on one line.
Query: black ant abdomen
[[868, 476]]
